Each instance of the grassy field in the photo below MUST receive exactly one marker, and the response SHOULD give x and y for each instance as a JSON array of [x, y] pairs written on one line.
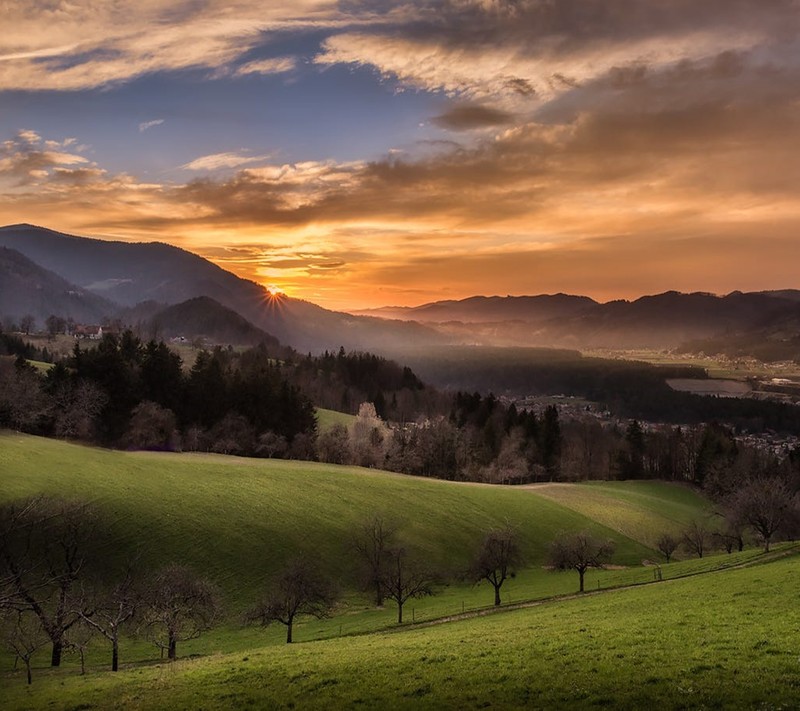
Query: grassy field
[[328, 418], [725, 639], [238, 520], [641, 510], [739, 369]]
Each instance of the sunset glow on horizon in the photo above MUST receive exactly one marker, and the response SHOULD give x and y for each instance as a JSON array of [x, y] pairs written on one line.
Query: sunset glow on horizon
[[363, 153]]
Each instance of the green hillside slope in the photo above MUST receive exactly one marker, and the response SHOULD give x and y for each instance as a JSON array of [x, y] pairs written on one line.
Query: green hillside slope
[[239, 519], [642, 510], [722, 640]]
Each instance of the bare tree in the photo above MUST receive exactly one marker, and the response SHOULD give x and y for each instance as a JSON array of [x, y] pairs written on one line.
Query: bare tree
[[403, 578], [179, 605], [107, 611], [43, 545], [26, 323], [497, 558], [696, 537], [300, 589], [271, 445], [23, 636], [580, 551], [372, 542], [333, 445], [152, 427], [80, 636], [77, 407], [369, 437], [667, 544], [55, 325], [765, 505], [23, 402]]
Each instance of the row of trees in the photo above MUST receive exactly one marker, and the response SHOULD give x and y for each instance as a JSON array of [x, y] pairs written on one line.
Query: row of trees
[[767, 508], [57, 586]]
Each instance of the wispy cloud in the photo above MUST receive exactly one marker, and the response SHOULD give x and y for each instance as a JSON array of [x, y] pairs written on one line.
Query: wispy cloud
[[275, 65], [216, 161], [73, 46], [635, 147], [149, 124]]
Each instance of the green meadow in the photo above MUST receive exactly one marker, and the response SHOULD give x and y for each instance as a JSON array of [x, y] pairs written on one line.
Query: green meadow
[[641, 510], [328, 418], [238, 520], [726, 639]]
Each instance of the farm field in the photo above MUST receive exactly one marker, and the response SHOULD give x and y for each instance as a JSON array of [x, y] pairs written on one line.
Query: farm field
[[238, 520], [722, 368], [726, 639], [712, 386]]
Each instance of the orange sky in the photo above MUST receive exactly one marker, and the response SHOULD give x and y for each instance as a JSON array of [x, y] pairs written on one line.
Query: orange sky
[[465, 147]]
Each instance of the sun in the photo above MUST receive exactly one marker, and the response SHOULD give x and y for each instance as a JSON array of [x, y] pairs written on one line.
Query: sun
[[273, 290]]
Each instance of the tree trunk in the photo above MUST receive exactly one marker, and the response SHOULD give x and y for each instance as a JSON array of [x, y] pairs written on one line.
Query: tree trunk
[[496, 595], [172, 654], [115, 655], [55, 659], [289, 632], [378, 594], [28, 669], [399, 613], [766, 544], [581, 573]]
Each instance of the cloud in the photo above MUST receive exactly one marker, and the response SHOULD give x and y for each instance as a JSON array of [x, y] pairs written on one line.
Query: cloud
[[74, 46], [149, 124], [540, 49], [28, 159], [216, 161], [466, 117], [633, 147], [28, 136], [274, 65]]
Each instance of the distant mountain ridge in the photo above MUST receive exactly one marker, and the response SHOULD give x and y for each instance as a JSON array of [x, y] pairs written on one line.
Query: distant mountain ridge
[[489, 309], [127, 273], [91, 278], [658, 321], [26, 288]]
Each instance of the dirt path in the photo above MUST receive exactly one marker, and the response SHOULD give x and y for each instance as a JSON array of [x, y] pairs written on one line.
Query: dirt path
[[764, 558]]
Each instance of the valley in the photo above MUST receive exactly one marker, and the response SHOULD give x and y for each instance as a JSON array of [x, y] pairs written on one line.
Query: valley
[[215, 429]]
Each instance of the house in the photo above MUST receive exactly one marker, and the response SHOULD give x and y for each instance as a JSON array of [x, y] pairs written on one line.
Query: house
[[94, 333]]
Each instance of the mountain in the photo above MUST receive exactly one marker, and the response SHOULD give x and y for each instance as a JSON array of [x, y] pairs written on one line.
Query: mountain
[[788, 294], [659, 321], [27, 288], [129, 272], [202, 317], [489, 309], [667, 320], [132, 272]]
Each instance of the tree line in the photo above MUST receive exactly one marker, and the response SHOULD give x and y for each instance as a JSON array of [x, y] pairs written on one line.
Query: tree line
[[58, 588], [126, 393]]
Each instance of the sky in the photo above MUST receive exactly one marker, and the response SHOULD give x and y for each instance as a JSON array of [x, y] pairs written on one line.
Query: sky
[[365, 153]]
